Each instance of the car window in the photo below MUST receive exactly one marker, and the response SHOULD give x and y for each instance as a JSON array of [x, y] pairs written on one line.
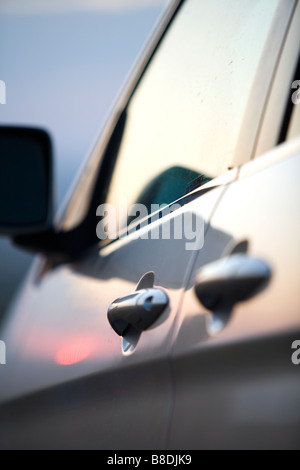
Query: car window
[[183, 120]]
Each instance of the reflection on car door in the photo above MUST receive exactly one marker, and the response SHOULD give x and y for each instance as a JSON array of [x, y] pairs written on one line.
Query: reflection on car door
[[69, 382], [236, 385], [73, 386]]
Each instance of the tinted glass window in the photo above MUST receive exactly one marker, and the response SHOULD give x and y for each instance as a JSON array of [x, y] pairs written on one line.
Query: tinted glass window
[[184, 118]]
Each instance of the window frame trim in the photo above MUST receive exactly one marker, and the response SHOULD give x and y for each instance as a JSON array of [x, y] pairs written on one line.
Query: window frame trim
[[77, 219], [270, 132]]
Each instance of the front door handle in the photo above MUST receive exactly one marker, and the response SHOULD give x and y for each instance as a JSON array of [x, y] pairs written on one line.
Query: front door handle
[[139, 310], [222, 284]]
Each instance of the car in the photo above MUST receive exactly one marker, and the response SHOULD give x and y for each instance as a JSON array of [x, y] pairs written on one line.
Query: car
[[163, 309]]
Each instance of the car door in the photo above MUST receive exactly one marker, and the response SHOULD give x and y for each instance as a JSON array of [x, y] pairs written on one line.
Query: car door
[[71, 381], [234, 358]]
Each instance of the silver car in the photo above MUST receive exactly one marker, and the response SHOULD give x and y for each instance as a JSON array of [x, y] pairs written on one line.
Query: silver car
[[163, 310]]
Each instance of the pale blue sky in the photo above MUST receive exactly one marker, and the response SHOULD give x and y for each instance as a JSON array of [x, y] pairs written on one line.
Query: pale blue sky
[[31, 7], [62, 72]]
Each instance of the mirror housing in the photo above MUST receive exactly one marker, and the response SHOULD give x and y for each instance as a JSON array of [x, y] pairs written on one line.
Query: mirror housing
[[26, 181]]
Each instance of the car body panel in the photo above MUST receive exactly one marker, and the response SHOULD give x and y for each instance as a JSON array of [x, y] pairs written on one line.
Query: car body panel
[[239, 388], [68, 384], [55, 351]]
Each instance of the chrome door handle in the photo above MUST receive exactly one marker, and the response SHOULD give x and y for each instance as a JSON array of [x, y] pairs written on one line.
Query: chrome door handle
[[238, 277], [139, 310]]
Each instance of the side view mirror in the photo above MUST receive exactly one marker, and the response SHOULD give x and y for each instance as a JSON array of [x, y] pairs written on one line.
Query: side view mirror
[[26, 180]]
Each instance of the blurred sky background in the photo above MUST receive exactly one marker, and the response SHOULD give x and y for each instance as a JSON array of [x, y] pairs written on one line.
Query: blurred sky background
[[63, 62]]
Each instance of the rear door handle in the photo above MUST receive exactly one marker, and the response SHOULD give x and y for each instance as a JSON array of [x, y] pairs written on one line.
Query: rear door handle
[[222, 284], [139, 310]]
